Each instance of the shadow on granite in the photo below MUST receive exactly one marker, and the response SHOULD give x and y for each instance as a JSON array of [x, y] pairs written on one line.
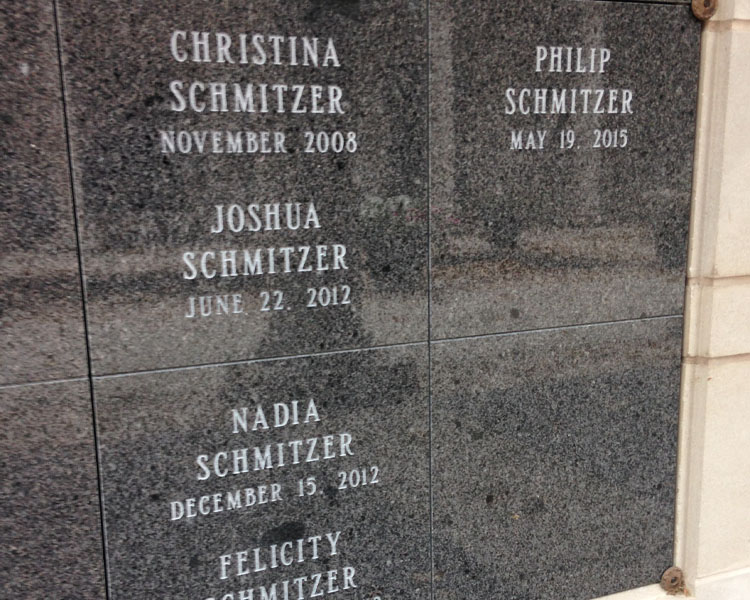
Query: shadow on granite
[[178, 462], [41, 315], [554, 461]]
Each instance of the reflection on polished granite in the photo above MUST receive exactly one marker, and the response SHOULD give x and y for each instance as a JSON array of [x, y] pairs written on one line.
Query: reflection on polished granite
[[149, 217], [41, 317], [354, 423], [554, 460], [525, 233], [441, 320]]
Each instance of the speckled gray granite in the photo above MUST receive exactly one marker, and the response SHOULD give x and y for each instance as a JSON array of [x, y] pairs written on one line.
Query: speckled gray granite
[[41, 317], [553, 452], [526, 234], [169, 440], [49, 522], [149, 172], [554, 461]]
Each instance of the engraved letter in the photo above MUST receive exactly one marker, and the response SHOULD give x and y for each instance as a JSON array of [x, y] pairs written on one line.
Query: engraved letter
[[188, 260], [179, 54], [541, 54], [178, 104], [219, 227]]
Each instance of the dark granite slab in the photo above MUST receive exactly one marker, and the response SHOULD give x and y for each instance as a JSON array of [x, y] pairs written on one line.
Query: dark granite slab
[[145, 204], [544, 236], [154, 429], [554, 461], [49, 522], [41, 318], [553, 452]]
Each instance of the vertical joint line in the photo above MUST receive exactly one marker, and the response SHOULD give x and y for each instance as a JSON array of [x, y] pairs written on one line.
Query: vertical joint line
[[428, 123], [82, 286]]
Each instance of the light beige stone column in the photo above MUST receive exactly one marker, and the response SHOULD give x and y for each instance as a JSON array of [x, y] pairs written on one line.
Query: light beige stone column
[[713, 500]]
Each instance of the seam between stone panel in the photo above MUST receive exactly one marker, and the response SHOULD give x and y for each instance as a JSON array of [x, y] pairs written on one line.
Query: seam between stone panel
[[10, 386], [556, 328], [721, 281], [382, 347], [651, 2], [82, 282], [728, 25], [258, 360], [430, 470], [716, 360]]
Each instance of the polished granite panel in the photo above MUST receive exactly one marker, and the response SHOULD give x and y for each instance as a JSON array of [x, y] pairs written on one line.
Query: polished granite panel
[[554, 461], [49, 522], [153, 160], [543, 236], [162, 436], [41, 318]]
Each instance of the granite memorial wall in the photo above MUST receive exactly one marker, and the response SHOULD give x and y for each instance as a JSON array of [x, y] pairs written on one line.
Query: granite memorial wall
[[343, 298]]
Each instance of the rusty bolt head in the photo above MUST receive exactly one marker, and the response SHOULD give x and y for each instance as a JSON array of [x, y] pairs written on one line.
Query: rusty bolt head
[[704, 9], [673, 581]]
